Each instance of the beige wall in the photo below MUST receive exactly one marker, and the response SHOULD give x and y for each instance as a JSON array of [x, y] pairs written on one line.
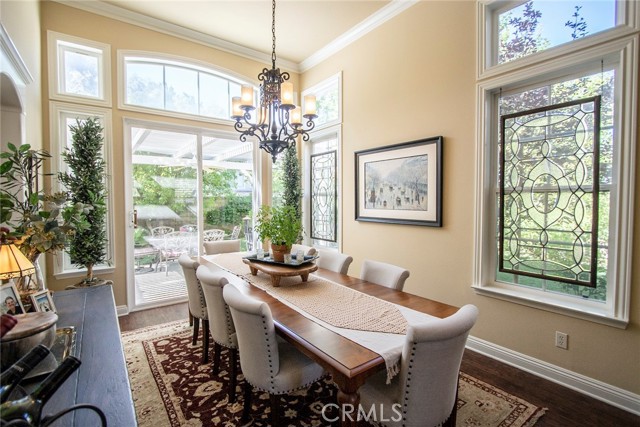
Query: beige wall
[[119, 35], [412, 78], [21, 19]]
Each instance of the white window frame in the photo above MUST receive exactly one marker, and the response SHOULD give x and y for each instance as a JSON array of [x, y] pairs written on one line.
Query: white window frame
[[59, 112], [333, 132], [616, 311], [628, 20], [101, 51], [179, 61], [334, 80]]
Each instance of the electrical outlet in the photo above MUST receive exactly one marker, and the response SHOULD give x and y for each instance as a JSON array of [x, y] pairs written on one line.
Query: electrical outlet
[[562, 340]]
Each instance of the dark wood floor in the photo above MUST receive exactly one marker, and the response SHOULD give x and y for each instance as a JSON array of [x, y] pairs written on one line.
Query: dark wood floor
[[566, 408]]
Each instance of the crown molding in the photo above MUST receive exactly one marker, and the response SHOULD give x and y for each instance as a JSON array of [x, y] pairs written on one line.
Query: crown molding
[[12, 54], [154, 24], [369, 24]]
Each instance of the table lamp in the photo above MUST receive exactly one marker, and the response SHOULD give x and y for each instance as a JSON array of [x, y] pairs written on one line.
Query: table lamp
[[13, 263], [32, 328]]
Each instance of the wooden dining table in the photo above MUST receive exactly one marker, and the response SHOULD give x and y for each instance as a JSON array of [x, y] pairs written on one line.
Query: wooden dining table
[[348, 363]]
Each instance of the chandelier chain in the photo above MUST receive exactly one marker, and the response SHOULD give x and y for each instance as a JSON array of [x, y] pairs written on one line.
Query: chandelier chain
[[273, 32]]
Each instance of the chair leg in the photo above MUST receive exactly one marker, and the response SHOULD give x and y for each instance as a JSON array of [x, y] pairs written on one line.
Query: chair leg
[[205, 339], [247, 403], [234, 374], [275, 409], [217, 349], [196, 329], [190, 318]]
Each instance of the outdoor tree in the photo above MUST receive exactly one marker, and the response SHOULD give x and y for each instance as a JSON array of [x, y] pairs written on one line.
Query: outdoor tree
[[292, 195], [85, 181]]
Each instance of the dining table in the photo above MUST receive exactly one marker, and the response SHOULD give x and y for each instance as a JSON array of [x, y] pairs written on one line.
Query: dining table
[[348, 362]]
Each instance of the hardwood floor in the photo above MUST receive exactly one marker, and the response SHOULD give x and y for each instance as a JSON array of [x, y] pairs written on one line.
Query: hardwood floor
[[566, 408]]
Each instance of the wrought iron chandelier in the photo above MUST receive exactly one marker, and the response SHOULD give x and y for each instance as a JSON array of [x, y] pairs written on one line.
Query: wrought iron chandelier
[[278, 122]]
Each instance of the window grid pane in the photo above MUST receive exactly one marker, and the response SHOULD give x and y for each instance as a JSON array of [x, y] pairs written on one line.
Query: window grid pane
[[536, 26]]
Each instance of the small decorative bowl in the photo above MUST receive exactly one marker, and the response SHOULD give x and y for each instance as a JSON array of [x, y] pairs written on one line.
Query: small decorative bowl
[[32, 329]]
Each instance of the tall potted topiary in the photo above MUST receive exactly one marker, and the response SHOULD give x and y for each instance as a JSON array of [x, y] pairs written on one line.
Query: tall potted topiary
[[281, 225], [292, 194], [85, 181]]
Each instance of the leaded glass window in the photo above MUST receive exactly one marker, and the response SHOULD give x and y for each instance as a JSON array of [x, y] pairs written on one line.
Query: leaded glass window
[[549, 192], [324, 196]]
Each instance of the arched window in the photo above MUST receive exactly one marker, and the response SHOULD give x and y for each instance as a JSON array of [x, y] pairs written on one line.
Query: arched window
[[160, 84]]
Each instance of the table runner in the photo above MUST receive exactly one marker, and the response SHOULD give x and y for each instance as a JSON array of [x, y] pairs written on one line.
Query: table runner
[[330, 302], [387, 345]]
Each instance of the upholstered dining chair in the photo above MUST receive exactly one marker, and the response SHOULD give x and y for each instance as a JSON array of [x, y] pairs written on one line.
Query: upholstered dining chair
[[221, 246], [197, 303], [426, 388], [269, 364], [221, 324], [334, 261], [384, 274]]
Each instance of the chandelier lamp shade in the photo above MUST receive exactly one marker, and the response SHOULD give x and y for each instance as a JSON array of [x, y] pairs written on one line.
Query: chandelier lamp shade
[[276, 122], [13, 263]]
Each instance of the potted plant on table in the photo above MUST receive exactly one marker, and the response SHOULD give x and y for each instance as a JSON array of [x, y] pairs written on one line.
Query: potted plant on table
[[281, 225]]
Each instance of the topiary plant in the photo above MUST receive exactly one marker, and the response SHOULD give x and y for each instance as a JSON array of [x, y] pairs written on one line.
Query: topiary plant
[[85, 180]]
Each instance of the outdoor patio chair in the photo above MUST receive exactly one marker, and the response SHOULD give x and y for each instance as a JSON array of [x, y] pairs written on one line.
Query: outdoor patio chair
[[235, 233], [213, 235], [175, 244], [161, 231]]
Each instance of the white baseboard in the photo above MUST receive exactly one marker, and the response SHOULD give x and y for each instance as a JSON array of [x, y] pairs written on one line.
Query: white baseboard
[[122, 310], [591, 387]]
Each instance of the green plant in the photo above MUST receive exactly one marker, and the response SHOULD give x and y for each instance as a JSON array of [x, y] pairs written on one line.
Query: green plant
[[292, 194], [41, 222], [281, 225], [85, 180]]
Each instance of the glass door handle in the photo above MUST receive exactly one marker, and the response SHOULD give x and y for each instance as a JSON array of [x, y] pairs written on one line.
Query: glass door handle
[[134, 218]]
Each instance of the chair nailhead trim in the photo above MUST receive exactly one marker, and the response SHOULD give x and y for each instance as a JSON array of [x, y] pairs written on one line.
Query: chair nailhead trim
[[408, 386]]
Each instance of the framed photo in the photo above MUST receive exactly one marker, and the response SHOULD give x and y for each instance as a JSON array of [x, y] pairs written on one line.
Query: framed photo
[[10, 300], [42, 301], [401, 183]]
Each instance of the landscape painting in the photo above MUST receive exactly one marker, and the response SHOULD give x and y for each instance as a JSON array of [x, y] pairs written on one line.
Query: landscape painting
[[397, 184], [400, 183]]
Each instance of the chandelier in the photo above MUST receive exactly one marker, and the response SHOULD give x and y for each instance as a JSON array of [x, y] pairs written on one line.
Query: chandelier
[[278, 122]]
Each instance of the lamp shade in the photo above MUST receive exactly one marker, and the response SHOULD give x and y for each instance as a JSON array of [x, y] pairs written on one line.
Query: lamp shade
[[13, 263]]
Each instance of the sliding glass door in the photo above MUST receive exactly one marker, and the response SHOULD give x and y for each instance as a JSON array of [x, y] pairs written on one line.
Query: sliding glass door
[[185, 186]]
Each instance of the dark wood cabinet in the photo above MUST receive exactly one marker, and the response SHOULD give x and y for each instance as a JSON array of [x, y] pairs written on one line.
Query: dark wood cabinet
[[102, 379]]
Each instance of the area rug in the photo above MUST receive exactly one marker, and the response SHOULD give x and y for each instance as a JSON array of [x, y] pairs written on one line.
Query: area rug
[[172, 388]]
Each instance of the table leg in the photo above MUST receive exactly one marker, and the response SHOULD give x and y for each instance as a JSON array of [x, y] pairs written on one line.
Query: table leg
[[304, 276], [348, 400], [254, 271], [275, 281]]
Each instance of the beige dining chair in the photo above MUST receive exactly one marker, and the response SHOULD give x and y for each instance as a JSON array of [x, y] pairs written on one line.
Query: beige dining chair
[[221, 324], [197, 303], [308, 250], [425, 390], [268, 364], [384, 274], [221, 246], [334, 261]]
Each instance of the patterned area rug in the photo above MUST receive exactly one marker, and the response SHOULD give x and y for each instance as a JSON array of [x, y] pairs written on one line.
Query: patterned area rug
[[171, 387]]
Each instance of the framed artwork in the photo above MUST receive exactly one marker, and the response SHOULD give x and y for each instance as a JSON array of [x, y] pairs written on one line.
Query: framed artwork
[[401, 183], [10, 300], [42, 301]]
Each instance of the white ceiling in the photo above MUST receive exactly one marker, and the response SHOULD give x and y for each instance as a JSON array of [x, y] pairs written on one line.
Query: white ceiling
[[303, 27]]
